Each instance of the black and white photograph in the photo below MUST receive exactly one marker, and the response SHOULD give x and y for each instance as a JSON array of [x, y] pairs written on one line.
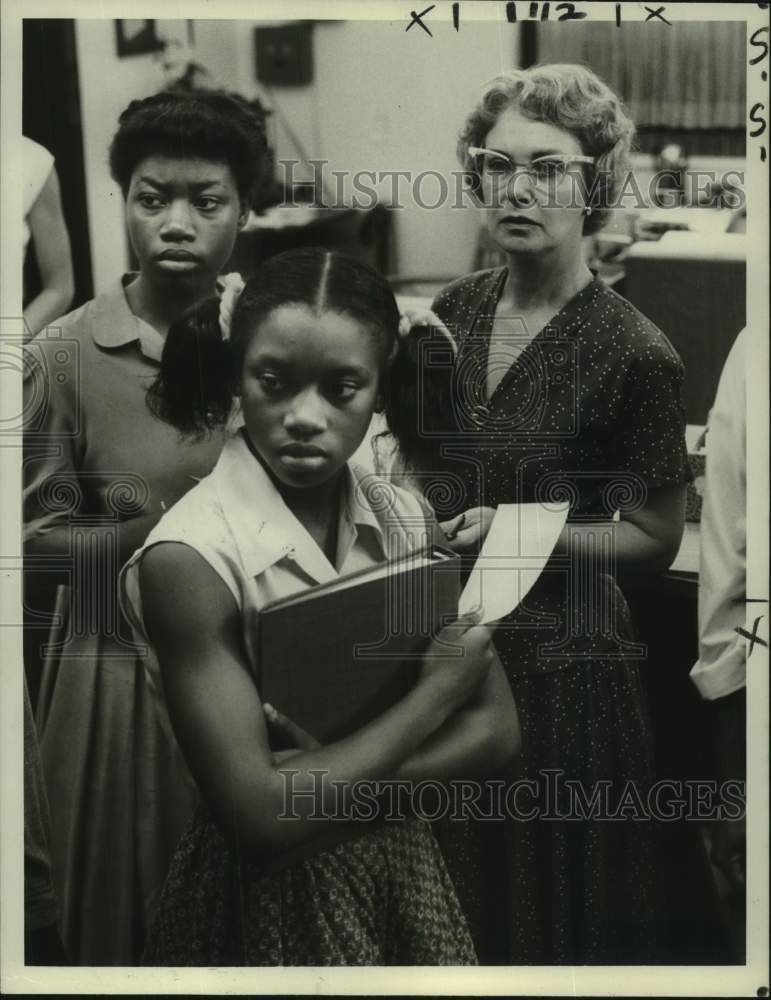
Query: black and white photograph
[[385, 450]]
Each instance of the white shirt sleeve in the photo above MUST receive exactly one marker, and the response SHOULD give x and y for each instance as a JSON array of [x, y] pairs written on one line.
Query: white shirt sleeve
[[721, 668], [37, 164]]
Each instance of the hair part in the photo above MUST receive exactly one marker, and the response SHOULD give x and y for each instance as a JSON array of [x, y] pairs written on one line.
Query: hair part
[[568, 96], [203, 124], [200, 373], [321, 294]]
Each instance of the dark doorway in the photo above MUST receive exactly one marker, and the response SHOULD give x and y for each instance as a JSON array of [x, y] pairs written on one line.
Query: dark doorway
[[51, 116]]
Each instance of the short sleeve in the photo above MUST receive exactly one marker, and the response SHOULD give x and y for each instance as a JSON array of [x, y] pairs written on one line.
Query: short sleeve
[[447, 306], [649, 439], [38, 163], [130, 594], [443, 305], [458, 304]]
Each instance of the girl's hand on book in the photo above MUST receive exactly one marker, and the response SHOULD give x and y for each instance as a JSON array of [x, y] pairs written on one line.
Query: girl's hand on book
[[458, 660], [467, 532], [289, 732]]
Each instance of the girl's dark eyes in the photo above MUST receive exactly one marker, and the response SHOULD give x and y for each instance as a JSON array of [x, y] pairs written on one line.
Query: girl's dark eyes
[[338, 391], [344, 391], [149, 201], [270, 382], [152, 201]]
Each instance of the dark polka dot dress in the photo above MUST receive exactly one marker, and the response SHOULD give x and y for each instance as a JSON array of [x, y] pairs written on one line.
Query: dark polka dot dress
[[591, 412]]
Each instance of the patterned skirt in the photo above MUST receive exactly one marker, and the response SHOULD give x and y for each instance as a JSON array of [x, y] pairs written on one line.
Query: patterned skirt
[[384, 898]]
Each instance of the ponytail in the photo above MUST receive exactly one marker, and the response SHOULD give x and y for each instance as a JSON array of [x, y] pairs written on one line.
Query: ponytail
[[194, 389], [200, 371], [418, 396]]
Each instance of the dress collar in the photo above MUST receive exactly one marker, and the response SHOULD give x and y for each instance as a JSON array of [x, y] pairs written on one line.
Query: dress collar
[[264, 529], [563, 318], [115, 325]]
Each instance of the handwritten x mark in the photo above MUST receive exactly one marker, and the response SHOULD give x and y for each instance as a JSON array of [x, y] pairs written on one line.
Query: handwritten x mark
[[752, 636], [417, 19], [656, 13]]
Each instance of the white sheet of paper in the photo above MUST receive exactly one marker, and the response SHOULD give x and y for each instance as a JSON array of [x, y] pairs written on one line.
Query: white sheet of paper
[[518, 545]]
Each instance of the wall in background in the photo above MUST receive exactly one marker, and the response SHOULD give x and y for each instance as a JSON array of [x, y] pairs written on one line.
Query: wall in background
[[107, 84], [384, 99], [381, 99]]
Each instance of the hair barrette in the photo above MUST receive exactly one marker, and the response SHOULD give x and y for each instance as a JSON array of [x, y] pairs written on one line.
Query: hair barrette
[[232, 286]]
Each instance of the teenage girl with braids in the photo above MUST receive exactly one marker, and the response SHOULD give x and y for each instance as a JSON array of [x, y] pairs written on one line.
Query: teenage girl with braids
[[308, 353]]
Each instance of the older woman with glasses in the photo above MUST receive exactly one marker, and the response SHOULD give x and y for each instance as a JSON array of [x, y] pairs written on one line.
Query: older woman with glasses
[[560, 390]]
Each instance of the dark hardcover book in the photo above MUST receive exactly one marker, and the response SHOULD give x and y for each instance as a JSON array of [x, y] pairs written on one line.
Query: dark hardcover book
[[334, 657]]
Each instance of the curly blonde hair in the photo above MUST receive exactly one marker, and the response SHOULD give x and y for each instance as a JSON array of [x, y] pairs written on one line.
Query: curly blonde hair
[[571, 97]]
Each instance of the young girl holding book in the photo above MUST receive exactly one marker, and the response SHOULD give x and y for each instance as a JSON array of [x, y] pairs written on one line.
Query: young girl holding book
[[307, 354]]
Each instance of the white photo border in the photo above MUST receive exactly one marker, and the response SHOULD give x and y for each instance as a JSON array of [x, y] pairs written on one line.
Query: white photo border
[[516, 980]]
